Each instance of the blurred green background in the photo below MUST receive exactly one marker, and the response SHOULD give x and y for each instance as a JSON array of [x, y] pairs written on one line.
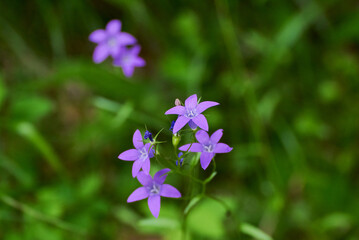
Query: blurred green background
[[287, 77]]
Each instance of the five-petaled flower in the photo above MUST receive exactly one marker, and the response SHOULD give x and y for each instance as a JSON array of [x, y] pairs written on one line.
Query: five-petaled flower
[[111, 41], [129, 59], [191, 113], [141, 155], [154, 189], [208, 146]]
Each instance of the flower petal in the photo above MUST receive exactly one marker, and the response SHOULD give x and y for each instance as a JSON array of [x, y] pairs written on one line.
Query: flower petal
[[98, 36], [176, 110], [216, 136], [139, 194], [129, 155], [222, 148], [204, 105], [154, 203], [205, 159], [127, 39], [100, 54], [169, 191], [139, 62], [161, 175], [202, 137], [192, 125], [196, 147], [136, 167], [137, 139], [146, 166], [191, 102], [128, 70], [180, 122], [144, 179], [201, 121], [113, 26]]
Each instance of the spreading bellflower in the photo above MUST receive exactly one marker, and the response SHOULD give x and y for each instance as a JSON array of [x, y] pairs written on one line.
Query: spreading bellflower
[[140, 155], [154, 189], [191, 113], [111, 41], [207, 146], [129, 59]]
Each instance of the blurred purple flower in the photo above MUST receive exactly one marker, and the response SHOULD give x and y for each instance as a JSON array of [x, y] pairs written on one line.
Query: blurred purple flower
[[154, 189], [111, 41], [141, 155], [129, 59], [208, 146], [191, 114]]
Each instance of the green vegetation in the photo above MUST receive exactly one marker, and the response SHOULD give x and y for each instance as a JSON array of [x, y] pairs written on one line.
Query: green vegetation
[[287, 77]]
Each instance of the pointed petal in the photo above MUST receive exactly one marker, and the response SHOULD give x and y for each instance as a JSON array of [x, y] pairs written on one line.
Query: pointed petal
[[135, 50], [205, 159], [139, 194], [202, 137], [128, 70], [144, 179], [154, 203], [204, 105], [201, 121], [222, 148], [100, 54], [113, 26], [129, 155], [180, 123], [192, 125], [146, 166], [137, 139], [191, 102], [139, 62], [161, 175], [196, 147], [136, 167], [169, 191], [98, 36], [176, 110], [127, 39], [216, 136]]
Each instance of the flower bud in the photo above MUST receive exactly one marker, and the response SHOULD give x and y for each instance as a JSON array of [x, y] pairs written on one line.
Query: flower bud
[[176, 138]]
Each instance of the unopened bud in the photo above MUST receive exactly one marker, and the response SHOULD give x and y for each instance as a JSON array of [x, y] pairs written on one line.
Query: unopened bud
[[178, 102], [176, 138]]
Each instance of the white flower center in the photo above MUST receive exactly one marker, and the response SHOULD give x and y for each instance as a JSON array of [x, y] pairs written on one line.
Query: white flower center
[[155, 189], [143, 153], [191, 113], [208, 147]]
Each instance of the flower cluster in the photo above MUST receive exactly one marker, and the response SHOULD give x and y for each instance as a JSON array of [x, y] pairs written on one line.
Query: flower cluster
[[121, 46], [154, 188]]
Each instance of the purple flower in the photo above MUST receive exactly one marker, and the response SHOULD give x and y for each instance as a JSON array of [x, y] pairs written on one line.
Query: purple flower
[[129, 59], [141, 155], [208, 146], [191, 114], [110, 41], [154, 189]]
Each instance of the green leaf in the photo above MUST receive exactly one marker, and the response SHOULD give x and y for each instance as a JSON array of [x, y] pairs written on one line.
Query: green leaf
[[14, 169], [254, 232], [28, 131], [159, 224], [192, 203], [30, 108]]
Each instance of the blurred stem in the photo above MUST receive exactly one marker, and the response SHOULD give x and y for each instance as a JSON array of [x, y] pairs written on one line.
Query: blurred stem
[[41, 217]]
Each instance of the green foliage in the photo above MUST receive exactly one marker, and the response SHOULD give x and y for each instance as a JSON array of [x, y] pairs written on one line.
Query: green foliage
[[285, 73]]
